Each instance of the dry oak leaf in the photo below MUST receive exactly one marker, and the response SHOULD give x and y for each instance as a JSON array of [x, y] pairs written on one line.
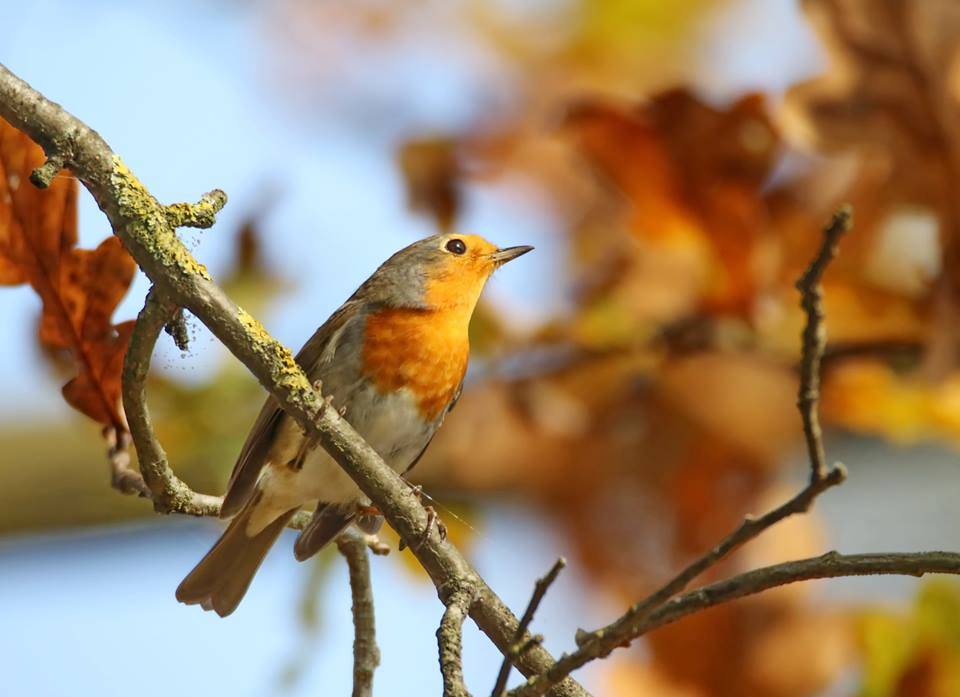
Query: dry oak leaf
[[79, 288], [892, 90], [693, 176], [431, 172]]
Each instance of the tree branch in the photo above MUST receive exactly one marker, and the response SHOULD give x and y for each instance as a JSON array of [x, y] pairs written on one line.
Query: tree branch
[[123, 478], [450, 643], [814, 340], [168, 492], [627, 627], [521, 644], [630, 625], [144, 226], [366, 655], [829, 565]]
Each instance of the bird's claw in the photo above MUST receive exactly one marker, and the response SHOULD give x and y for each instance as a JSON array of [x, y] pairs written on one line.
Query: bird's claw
[[432, 520]]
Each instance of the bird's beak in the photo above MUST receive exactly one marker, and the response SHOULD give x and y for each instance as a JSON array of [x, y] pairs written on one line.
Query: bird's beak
[[502, 256]]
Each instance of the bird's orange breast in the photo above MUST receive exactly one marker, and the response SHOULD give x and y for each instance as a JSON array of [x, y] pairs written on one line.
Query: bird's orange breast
[[425, 351]]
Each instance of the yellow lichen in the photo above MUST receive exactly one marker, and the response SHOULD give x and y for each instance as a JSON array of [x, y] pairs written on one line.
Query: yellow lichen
[[286, 370], [148, 224]]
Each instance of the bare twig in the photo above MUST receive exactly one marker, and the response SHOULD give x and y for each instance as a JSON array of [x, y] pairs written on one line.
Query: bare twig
[[629, 626], [450, 643], [540, 589], [829, 565], [123, 478], [366, 655], [169, 493], [376, 545], [815, 340], [145, 228], [626, 628]]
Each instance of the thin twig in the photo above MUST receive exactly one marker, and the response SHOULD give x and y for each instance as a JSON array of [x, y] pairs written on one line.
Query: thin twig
[[450, 644], [366, 655], [375, 544], [627, 627], [540, 589], [829, 565], [169, 492], [814, 340], [123, 478]]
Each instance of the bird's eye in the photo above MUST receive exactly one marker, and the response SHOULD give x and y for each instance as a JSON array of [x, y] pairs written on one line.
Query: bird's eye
[[456, 246]]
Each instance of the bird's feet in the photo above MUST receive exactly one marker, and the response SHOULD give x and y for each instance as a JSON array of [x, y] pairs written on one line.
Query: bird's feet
[[432, 520]]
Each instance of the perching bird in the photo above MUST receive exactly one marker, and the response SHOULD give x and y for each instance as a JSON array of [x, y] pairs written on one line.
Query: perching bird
[[392, 358]]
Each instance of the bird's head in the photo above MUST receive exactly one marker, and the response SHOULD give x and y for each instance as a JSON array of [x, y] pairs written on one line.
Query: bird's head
[[441, 271]]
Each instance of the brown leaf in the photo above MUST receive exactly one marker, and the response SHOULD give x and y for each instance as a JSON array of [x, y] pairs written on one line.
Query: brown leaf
[[891, 98], [888, 91], [693, 176], [96, 392], [80, 289], [431, 172]]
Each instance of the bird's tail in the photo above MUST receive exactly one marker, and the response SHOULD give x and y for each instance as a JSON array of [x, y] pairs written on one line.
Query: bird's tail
[[222, 577]]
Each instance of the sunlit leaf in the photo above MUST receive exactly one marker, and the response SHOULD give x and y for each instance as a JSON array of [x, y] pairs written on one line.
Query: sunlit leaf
[[79, 289]]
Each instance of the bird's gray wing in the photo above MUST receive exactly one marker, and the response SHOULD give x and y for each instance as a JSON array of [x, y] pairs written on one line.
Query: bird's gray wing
[[320, 348]]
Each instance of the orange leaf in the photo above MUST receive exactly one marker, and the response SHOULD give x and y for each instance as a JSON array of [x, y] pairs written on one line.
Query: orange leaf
[[430, 171], [693, 176], [79, 288]]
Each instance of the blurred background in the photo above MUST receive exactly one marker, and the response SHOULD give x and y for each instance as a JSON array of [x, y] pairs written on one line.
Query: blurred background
[[634, 379]]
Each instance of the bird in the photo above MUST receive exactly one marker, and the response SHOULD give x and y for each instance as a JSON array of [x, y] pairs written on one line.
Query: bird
[[392, 360]]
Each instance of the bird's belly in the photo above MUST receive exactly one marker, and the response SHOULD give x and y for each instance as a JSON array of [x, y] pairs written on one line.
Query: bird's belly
[[391, 424]]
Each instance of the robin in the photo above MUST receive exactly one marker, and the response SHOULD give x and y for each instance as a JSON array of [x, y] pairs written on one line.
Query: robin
[[392, 359]]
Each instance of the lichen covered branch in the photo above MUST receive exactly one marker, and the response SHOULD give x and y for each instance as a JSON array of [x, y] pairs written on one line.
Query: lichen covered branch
[[366, 655], [43, 175], [144, 225]]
